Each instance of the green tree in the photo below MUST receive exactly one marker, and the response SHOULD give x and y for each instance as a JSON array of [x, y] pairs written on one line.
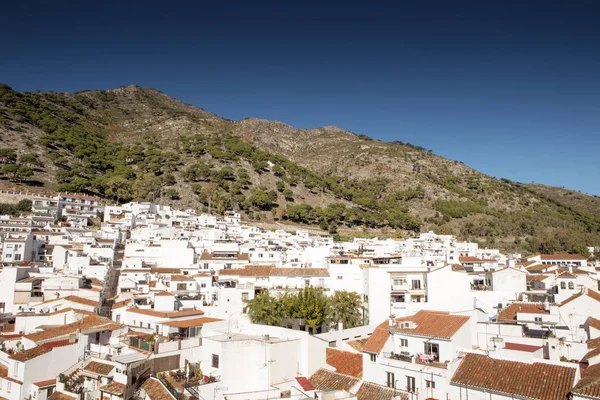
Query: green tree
[[30, 160], [347, 308], [264, 310], [172, 194], [313, 307], [8, 156]]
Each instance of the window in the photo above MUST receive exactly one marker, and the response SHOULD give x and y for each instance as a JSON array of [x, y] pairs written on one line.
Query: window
[[17, 257], [571, 285], [432, 349], [205, 265], [416, 284], [215, 361], [340, 277], [8, 386], [390, 380], [260, 255], [537, 319], [271, 255], [333, 343], [118, 318], [403, 342], [410, 384], [16, 369], [563, 285], [429, 384], [307, 282], [244, 296], [321, 282], [181, 286], [203, 285], [373, 357]]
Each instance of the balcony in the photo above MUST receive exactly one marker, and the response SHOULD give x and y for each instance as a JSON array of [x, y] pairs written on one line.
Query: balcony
[[479, 287], [408, 288], [403, 356]]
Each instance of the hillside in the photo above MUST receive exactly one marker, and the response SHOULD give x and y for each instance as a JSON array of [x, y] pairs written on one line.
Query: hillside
[[137, 143]]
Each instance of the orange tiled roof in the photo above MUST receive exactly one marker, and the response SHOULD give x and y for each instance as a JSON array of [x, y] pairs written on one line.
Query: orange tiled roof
[[593, 343], [324, 379], [99, 368], [188, 323], [155, 390], [121, 304], [371, 391], [81, 300], [558, 257], [165, 314], [509, 313], [299, 272], [249, 270], [378, 338], [593, 353], [432, 324], [113, 387], [589, 384], [590, 293], [182, 278], [46, 383], [538, 381], [594, 323], [345, 362], [89, 322], [60, 396]]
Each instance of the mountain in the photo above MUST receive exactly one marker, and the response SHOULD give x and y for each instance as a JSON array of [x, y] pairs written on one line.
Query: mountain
[[138, 143]]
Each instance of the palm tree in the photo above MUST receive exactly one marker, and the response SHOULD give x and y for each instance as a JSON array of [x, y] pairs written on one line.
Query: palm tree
[[347, 308]]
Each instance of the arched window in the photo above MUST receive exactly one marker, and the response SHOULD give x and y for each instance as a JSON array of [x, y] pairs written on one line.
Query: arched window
[[571, 285], [563, 285]]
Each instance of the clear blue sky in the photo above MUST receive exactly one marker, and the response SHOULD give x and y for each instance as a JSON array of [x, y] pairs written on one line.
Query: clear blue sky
[[512, 89]]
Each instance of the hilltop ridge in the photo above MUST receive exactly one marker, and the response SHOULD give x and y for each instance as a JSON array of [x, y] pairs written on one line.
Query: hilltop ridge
[[139, 143]]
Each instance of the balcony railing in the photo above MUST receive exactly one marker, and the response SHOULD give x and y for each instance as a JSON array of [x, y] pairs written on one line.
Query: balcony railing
[[480, 287], [399, 356]]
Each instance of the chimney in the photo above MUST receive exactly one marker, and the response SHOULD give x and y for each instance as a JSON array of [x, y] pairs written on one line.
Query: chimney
[[392, 323], [340, 326], [546, 306]]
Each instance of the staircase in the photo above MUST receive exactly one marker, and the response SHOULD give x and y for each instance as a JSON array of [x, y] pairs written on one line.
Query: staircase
[[111, 282]]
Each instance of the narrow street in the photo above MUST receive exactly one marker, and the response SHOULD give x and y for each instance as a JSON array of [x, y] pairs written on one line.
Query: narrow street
[[111, 282]]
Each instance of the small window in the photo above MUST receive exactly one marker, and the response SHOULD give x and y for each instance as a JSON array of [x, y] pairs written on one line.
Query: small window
[[429, 384], [537, 319], [244, 296], [390, 381], [571, 285], [563, 285], [373, 357], [215, 361], [403, 342]]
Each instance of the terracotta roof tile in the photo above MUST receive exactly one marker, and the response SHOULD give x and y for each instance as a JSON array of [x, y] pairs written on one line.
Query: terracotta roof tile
[[304, 383], [113, 387], [46, 383], [371, 391], [432, 324], [89, 322], [538, 381], [594, 323], [509, 313], [249, 270], [299, 272], [589, 292], [188, 323], [593, 353], [324, 379], [560, 257], [593, 343], [60, 396], [99, 368], [378, 338], [182, 278], [589, 384], [81, 300], [155, 390], [345, 362], [165, 314]]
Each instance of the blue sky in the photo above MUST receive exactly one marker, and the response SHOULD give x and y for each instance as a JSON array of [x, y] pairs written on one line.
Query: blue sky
[[510, 88]]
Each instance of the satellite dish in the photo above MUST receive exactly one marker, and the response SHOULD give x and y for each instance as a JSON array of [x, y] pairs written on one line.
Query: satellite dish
[[45, 310]]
